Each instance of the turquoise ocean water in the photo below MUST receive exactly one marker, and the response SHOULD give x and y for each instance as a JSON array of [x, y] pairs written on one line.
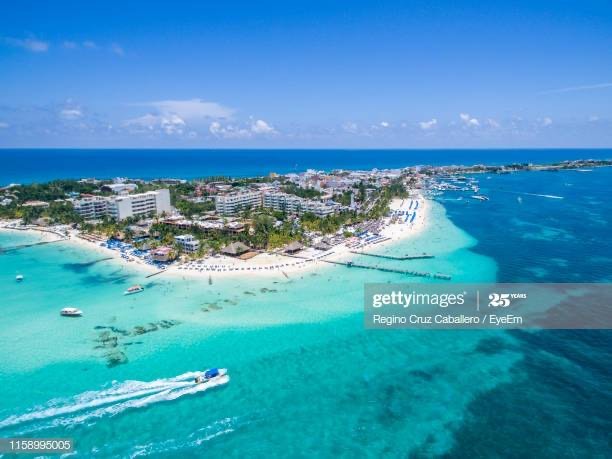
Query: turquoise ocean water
[[307, 379]]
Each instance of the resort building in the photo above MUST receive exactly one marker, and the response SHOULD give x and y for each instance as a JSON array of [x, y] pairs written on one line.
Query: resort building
[[120, 188], [122, 207], [91, 207], [235, 249], [188, 243], [292, 204], [163, 254], [232, 203], [151, 202], [42, 204]]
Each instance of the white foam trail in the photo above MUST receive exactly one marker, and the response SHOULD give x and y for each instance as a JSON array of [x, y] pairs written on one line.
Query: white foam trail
[[551, 196], [146, 392]]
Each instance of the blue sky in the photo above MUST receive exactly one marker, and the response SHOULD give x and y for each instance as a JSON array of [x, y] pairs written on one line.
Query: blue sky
[[306, 74]]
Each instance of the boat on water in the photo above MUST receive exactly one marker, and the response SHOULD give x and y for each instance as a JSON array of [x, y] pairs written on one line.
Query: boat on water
[[212, 374], [71, 312], [134, 289], [19, 277], [480, 197]]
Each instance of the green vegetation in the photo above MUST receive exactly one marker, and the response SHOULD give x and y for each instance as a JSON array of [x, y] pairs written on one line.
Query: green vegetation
[[308, 193]]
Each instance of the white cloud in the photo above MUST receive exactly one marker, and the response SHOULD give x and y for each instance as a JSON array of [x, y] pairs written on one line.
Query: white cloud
[[578, 88], [71, 113], [468, 120], [547, 121], [89, 44], [261, 127], [192, 109], [350, 127], [171, 124], [384, 124], [229, 131], [117, 49], [492, 123], [427, 125], [593, 118], [31, 44]]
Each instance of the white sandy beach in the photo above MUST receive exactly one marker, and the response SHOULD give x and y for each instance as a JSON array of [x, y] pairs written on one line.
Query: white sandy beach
[[268, 264], [264, 264]]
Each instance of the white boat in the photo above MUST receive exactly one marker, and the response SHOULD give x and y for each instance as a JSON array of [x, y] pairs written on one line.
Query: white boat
[[71, 312], [212, 374], [134, 289], [19, 277], [480, 197]]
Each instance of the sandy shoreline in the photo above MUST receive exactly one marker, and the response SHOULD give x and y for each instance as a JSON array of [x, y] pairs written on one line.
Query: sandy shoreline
[[267, 264], [264, 264]]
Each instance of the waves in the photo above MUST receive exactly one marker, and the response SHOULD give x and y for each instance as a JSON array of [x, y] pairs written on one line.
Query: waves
[[118, 398]]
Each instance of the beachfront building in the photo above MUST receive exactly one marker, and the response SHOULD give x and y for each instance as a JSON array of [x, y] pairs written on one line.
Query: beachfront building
[[235, 249], [122, 207], [133, 205], [187, 242], [163, 254], [292, 204], [91, 207], [234, 202]]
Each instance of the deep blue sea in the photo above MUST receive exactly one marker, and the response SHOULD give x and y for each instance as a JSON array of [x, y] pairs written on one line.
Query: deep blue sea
[[39, 165], [307, 379]]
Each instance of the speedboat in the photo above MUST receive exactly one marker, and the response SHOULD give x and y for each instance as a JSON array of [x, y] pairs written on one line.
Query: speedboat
[[480, 197], [134, 289], [19, 277], [71, 312], [211, 374]]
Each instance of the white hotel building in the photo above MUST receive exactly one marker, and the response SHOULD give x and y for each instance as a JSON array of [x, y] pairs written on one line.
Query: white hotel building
[[295, 205], [122, 207], [231, 203], [188, 242]]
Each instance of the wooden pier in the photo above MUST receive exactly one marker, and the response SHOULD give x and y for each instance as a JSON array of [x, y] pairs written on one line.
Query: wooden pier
[[391, 257], [407, 272]]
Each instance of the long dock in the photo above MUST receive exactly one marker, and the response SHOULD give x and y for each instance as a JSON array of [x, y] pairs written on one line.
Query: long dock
[[391, 257], [350, 264]]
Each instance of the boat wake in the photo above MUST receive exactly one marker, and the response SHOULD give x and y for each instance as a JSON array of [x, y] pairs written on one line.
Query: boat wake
[[110, 402], [550, 196]]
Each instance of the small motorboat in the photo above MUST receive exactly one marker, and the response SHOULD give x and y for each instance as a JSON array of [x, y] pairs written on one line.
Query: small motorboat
[[71, 312], [480, 197], [210, 375], [134, 289], [19, 277]]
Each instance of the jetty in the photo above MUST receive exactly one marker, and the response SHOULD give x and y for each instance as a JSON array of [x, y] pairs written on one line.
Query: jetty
[[350, 264], [391, 257]]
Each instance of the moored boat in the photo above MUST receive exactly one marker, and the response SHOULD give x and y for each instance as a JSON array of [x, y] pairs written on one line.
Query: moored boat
[[134, 289], [71, 312], [19, 277]]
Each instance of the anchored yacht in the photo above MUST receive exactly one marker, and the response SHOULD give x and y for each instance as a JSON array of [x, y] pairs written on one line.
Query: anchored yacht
[[71, 312], [134, 289]]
